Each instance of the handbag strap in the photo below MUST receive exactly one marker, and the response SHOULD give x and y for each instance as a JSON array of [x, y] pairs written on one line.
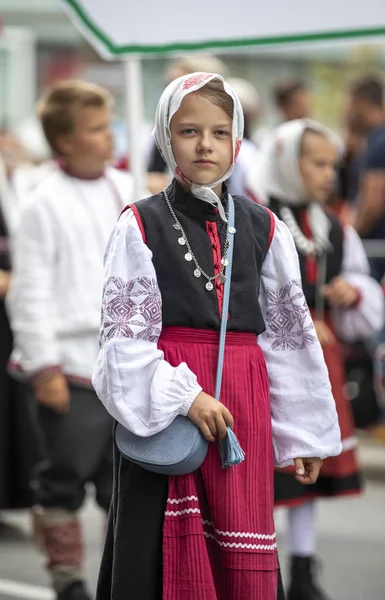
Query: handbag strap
[[226, 298]]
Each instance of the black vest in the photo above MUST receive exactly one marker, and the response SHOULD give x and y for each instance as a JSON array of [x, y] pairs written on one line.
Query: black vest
[[5, 262], [185, 300], [334, 256]]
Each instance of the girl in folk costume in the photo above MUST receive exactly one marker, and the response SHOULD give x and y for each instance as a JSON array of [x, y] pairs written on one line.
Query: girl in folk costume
[[297, 175], [208, 535]]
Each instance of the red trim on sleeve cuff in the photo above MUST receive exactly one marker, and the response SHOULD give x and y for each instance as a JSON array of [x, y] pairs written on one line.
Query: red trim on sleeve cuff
[[15, 369], [45, 374]]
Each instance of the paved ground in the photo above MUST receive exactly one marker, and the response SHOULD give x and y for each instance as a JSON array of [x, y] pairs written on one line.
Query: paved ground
[[372, 457], [352, 549]]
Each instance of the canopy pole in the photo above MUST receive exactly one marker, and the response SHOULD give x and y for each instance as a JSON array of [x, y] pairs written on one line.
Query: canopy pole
[[133, 79]]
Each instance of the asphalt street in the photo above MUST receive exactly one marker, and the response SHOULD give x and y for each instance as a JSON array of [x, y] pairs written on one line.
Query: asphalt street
[[351, 549]]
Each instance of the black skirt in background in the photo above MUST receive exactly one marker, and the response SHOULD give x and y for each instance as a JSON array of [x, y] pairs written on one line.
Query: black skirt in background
[[19, 441]]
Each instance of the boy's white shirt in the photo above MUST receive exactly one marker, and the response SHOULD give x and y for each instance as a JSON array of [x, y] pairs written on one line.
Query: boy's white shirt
[[57, 280], [145, 393]]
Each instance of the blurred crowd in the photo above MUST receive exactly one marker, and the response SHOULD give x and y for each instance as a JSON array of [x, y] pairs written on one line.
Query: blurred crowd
[[49, 355]]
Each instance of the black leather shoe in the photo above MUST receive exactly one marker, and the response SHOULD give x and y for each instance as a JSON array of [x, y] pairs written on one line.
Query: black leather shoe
[[75, 591], [303, 584]]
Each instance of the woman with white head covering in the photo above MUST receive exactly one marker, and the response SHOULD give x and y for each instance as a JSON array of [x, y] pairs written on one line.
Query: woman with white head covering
[[208, 535], [296, 178]]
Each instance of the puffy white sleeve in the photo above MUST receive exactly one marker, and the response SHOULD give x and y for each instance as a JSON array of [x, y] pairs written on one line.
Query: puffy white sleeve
[[137, 386], [304, 417], [366, 319], [30, 298]]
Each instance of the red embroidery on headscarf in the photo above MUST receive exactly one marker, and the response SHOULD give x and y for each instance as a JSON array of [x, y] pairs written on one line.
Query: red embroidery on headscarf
[[238, 144], [196, 80]]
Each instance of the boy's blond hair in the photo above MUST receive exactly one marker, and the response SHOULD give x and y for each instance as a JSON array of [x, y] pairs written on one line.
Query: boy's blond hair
[[58, 108]]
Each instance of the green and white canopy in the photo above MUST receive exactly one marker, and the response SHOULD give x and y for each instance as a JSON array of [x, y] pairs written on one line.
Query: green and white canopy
[[121, 27], [131, 29]]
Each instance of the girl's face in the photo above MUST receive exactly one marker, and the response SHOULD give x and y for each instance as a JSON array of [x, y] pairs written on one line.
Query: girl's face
[[201, 140], [318, 166]]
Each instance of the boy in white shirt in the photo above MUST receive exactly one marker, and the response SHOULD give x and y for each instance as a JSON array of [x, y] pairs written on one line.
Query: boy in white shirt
[[54, 306]]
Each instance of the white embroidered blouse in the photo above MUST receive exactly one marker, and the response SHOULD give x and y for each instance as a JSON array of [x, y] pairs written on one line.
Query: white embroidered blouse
[[145, 393]]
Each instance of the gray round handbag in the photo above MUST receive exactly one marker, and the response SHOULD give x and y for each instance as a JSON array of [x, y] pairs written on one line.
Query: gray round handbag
[[177, 450]]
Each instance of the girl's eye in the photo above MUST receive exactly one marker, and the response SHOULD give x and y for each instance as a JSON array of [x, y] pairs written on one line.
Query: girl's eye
[[188, 131], [222, 133]]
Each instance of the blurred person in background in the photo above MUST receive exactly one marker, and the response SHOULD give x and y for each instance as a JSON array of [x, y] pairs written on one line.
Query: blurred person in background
[[158, 173], [54, 305], [19, 448], [298, 173], [249, 154], [348, 173], [28, 161], [365, 112], [293, 100], [196, 62], [13, 158], [40, 163]]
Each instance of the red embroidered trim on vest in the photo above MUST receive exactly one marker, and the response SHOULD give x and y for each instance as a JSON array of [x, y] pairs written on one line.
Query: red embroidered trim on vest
[[212, 231], [272, 227]]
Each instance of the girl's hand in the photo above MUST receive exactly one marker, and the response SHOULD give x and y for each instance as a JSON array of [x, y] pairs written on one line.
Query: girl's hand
[[324, 333], [307, 470], [211, 417], [340, 293]]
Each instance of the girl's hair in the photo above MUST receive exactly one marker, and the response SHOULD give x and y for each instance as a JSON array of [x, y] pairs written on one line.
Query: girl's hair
[[215, 92]]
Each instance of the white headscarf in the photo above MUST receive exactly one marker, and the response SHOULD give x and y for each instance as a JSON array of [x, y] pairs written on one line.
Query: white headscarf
[[279, 174], [168, 105]]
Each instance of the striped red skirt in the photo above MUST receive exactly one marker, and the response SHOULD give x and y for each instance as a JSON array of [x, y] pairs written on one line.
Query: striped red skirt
[[218, 532]]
